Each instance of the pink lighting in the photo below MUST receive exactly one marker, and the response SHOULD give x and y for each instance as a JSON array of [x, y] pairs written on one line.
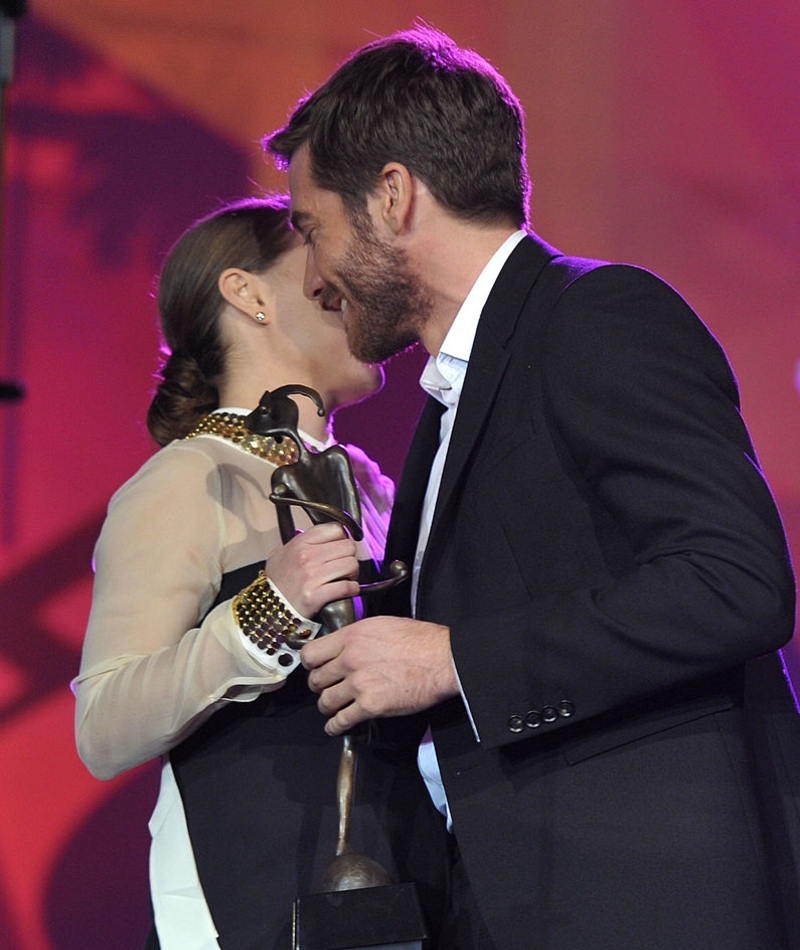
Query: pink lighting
[[666, 137]]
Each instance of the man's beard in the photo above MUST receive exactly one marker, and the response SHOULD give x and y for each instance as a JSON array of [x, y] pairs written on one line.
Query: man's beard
[[387, 305]]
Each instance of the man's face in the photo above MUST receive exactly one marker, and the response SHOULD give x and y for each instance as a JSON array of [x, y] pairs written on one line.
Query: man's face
[[384, 303]]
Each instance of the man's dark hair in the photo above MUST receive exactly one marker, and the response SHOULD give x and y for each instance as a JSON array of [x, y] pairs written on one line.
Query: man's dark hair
[[417, 98]]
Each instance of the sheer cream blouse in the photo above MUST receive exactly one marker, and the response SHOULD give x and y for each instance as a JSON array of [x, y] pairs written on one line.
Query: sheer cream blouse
[[156, 663]]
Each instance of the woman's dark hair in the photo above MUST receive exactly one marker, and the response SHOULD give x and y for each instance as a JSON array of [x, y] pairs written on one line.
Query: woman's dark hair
[[417, 98], [250, 234]]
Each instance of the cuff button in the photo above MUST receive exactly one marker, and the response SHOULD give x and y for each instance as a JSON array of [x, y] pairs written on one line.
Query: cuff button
[[533, 719], [549, 713], [515, 724]]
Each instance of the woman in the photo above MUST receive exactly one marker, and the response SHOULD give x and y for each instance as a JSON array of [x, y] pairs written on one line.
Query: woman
[[246, 817]]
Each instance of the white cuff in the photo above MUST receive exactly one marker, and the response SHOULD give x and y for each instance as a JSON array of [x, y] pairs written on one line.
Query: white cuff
[[285, 659]]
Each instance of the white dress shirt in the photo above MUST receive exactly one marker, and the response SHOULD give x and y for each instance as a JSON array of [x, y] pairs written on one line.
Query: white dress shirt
[[443, 378]]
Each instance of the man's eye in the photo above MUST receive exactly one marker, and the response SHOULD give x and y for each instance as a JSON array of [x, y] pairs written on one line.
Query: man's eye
[[308, 239]]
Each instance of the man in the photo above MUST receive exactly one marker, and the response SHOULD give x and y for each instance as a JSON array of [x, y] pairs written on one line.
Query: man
[[598, 561]]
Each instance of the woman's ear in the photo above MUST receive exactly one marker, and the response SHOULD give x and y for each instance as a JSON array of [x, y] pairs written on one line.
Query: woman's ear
[[246, 292]]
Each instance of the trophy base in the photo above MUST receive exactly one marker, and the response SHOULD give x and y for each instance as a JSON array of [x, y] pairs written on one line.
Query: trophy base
[[369, 918]]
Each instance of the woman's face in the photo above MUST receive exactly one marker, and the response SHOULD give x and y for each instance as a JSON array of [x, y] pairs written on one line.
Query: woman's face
[[314, 337]]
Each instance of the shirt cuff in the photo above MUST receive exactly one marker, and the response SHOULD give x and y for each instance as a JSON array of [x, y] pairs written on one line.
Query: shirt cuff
[[466, 704], [284, 659]]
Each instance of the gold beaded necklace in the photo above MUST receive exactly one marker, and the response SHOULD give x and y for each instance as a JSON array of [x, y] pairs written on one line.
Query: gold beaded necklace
[[230, 426]]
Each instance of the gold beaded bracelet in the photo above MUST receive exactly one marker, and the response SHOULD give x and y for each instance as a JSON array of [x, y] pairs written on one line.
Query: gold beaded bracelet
[[266, 620]]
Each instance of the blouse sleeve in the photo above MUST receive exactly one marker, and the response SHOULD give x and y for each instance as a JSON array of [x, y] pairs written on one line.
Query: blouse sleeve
[[154, 666]]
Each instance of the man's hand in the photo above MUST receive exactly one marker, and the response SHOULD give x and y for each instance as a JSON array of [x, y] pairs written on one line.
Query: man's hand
[[382, 666]]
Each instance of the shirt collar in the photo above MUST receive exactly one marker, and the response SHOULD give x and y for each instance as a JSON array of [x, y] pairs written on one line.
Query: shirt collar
[[446, 371]]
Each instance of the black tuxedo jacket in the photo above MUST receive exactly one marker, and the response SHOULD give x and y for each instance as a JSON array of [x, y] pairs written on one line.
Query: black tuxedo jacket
[[609, 561]]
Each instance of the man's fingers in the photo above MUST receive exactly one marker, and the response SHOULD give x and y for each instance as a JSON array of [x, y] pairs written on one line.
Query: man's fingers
[[345, 720], [333, 699], [381, 666], [321, 651]]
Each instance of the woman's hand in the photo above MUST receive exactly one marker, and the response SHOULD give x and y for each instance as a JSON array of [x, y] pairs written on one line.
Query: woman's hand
[[317, 566]]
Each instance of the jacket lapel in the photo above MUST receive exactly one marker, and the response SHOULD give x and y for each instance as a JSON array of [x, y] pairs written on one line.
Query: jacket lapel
[[487, 365]]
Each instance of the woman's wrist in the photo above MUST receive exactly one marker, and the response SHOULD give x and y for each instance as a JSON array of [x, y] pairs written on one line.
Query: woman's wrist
[[268, 620]]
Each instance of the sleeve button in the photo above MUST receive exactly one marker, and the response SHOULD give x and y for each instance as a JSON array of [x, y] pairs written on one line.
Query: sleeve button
[[533, 719], [515, 724], [566, 708], [549, 713]]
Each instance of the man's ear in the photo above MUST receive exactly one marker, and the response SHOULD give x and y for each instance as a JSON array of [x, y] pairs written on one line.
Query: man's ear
[[393, 198], [245, 292]]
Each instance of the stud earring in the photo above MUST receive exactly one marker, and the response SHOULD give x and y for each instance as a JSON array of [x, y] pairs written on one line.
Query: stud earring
[[261, 316]]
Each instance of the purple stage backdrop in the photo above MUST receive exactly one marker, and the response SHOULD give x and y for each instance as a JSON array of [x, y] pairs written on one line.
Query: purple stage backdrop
[[662, 134]]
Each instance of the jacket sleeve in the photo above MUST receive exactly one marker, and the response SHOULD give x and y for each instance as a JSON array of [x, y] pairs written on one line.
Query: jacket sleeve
[[642, 405]]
